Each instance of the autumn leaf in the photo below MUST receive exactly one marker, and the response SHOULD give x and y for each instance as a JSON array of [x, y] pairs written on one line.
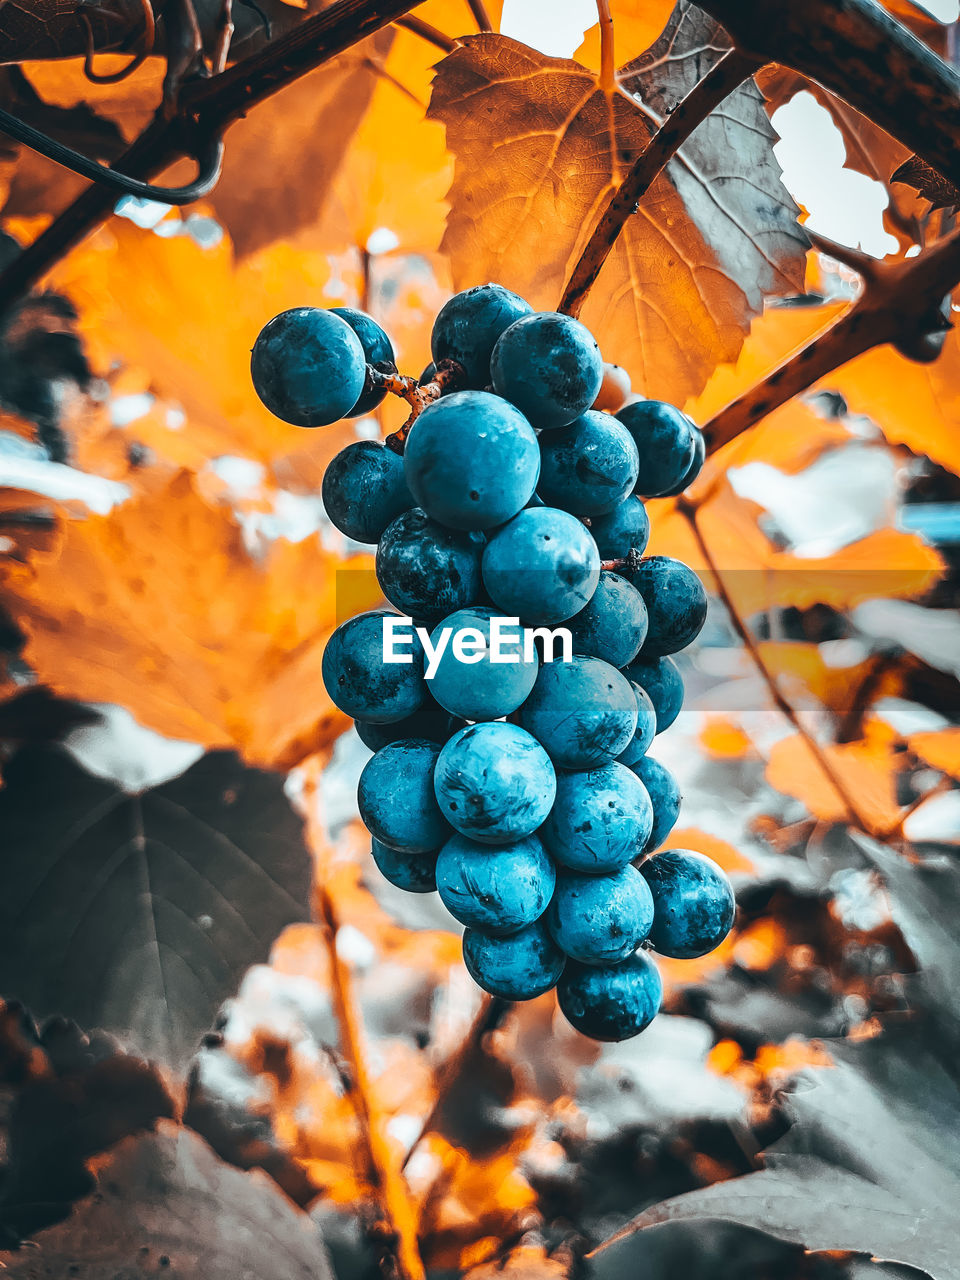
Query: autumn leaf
[[212, 647], [539, 150], [940, 748], [867, 771]]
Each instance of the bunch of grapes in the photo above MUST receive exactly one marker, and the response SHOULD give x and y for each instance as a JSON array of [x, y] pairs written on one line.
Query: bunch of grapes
[[521, 791]]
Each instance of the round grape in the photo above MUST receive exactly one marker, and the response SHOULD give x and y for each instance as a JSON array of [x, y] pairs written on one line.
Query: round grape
[[429, 721], [676, 604], [427, 570], [613, 625], [467, 328], [364, 490], [614, 389], [645, 731], [308, 367], [665, 439], [583, 712], [396, 798], [518, 967], [480, 689], [693, 903], [499, 888], [696, 466], [600, 820], [588, 467], [661, 679], [358, 680], [413, 872], [626, 528], [600, 919], [377, 350], [664, 792], [494, 782], [542, 566], [549, 366], [611, 1002], [471, 460]]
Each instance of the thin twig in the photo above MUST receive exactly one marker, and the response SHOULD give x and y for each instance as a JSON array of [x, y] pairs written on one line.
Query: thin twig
[[450, 376], [206, 108], [115, 77], [433, 35], [899, 300], [480, 15], [608, 63], [855, 817], [719, 82]]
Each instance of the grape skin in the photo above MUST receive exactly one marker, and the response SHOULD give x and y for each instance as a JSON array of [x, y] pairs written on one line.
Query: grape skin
[[542, 566], [396, 798], [600, 819], [364, 490], [665, 439], [518, 967], [696, 466], [583, 712], [611, 1002], [662, 681], [358, 680], [588, 467], [624, 529], [412, 872], [664, 792], [613, 626], [693, 903], [676, 604], [600, 919], [497, 889], [429, 721], [479, 690], [468, 325], [494, 782], [471, 460], [377, 350], [308, 367], [645, 731], [549, 366], [426, 570]]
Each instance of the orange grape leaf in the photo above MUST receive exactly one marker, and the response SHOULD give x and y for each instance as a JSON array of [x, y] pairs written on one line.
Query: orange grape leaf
[[539, 149], [636, 25], [867, 771], [724, 739], [158, 607], [940, 748]]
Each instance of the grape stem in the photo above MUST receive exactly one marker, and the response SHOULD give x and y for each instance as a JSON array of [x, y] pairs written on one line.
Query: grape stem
[[450, 376], [630, 562]]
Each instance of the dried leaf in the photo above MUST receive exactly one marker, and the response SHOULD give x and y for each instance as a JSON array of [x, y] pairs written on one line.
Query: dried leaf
[[931, 184], [941, 748], [139, 913], [540, 148], [867, 771]]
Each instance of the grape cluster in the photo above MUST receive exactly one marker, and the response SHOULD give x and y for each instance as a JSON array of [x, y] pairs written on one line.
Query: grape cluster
[[522, 792]]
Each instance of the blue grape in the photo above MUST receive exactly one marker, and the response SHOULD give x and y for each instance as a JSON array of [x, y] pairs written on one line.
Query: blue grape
[[429, 721], [428, 375], [600, 819], [583, 712], [624, 529], [613, 625], [518, 967], [471, 460], [600, 919], [676, 604], [364, 490], [396, 797], [308, 367], [468, 325], [498, 889], [611, 1002], [645, 731], [664, 792], [549, 366], [588, 467], [414, 872], [358, 680], [494, 782], [696, 466], [693, 903], [665, 440], [542, 566], [481, 690], [426, 570], [377, 350], [661, 679]]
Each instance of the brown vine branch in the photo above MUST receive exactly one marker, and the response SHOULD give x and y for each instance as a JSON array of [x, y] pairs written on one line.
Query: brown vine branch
[[900, 301], [608, 65], [433, 35], [855, 817], [449, 376], [858, 51], [206, 108], [480, 15], [719, 82]]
